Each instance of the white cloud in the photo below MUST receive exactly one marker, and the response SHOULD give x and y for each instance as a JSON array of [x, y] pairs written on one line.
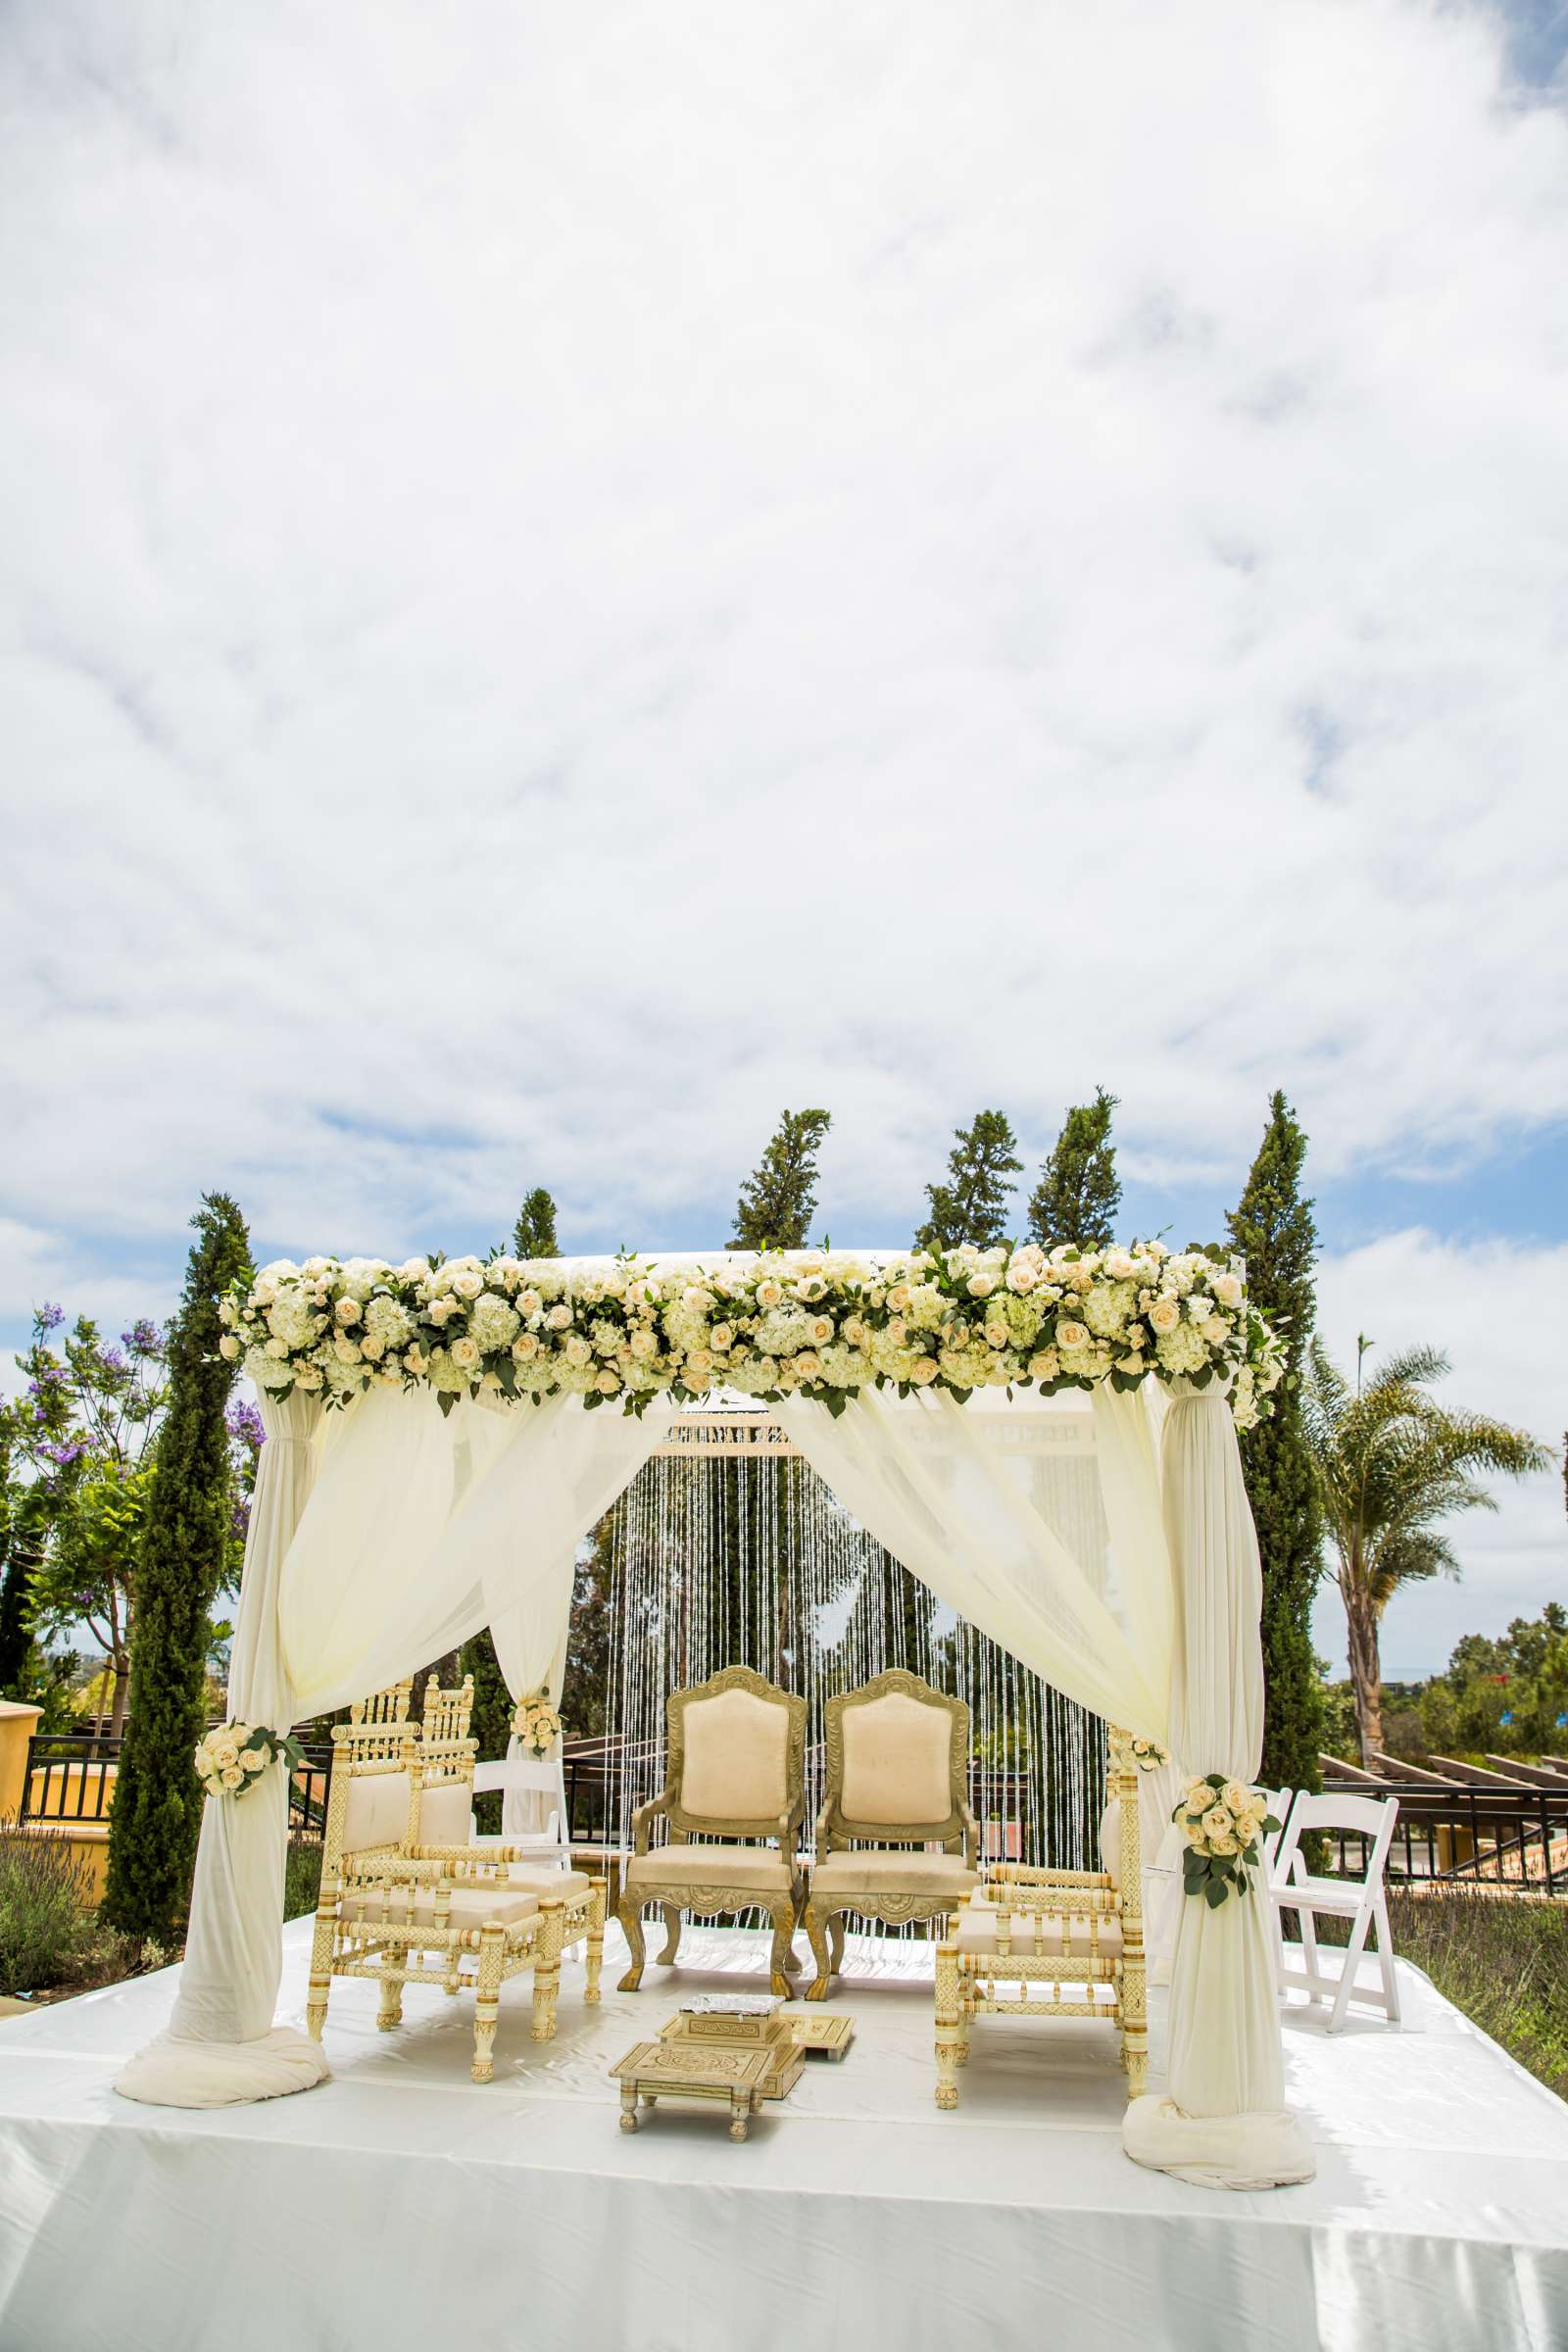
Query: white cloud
[[575, 576], [1498, 1310]]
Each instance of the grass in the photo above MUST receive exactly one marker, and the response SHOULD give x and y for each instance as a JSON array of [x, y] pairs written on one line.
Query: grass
[[1503, 1960]]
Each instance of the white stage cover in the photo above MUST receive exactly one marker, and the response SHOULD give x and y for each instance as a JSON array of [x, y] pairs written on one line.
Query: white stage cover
[[402, 2206]]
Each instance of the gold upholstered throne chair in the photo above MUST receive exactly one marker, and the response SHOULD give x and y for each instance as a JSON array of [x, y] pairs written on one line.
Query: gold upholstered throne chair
[[1037, 1942], [736, 1754], [895, 1787], [405, 1899]]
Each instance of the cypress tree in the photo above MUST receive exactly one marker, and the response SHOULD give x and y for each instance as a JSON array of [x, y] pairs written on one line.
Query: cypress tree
[[534, 1232], [1079, 1194], [777, 1201], [1272, 1225], [971, 1205], [15, 1639], [491, 1721], [158, 1799]]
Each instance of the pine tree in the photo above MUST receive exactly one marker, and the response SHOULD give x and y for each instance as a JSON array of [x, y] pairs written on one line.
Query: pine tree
[[776, 1202], [1079, 1195], [158, 1799], [972, 1206], [491, 1721], [534, 1234], [1272, 1226]]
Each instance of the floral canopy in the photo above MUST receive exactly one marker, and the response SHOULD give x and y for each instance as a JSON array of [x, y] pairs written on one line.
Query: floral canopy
[[437, 1449], [818, 1325]]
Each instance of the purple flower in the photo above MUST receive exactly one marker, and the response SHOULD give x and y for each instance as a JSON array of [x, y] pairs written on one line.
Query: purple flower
[[50, 1316], [113, 1360], [244, 1424], [63, 1455], [142, 1339]]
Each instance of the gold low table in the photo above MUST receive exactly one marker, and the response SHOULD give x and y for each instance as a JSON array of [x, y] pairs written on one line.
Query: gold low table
[[738, 2046], [739, 2071]]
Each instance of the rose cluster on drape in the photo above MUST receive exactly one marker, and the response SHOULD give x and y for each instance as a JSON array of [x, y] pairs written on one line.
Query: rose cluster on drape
[[385, 1534]]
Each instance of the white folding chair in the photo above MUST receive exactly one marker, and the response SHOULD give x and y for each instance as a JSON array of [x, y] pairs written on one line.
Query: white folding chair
[[541, 1777], [1362, 1901]]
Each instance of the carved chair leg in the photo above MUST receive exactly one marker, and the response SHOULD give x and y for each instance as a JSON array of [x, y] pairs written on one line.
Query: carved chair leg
[[836, 1941], [389, 2011], [949, 2030], [1134, 2023], [671, 1915], [820, 1953], [629, 1912], [487, 2003], [547, 1973], [783, 1917], [596, 1938]]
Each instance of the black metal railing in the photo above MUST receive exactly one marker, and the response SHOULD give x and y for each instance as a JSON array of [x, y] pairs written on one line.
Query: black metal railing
[[70, 1778], [1497, 1839]]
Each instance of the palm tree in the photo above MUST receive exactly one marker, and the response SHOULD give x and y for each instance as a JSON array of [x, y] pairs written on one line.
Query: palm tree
[[1392, 1464]]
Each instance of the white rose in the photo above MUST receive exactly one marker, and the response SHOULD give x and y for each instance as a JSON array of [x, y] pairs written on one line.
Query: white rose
[[559, 1319], [1072, 1334], [1216, 1823], [980, 1286], [1238, 1796], [231, 1776], [468, 1283], [997, 1335], [1215, 1330], [228, 1346], [1165, 1315], [523, 1346], [1227, 1290], [822, 1329], [413, 1361], [644, 1344], [1045, 1365], [808, 1364], [1022, 1276], [578, 1350], [1194, 1833], [528, 1303], [254, 1759], [899, 1298], [607, 1383], [923, 1371], [696, 1300], [700, 1363], [1118, 1265], [769, 1293], [466, 1353], [721, 1336], [347, 1310], [440, 1310], [346, 1351]]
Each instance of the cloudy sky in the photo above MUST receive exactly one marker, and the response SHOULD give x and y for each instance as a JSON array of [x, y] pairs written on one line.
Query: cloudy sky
[[573, 577]]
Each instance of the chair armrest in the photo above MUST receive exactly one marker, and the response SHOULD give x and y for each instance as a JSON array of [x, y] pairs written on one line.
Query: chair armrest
[[789, 1823], [825, 1826], [971, 1836], [643, 1820]]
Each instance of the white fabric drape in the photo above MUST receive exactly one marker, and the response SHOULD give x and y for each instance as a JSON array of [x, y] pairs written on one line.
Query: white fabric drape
[[379, 1539], [981, 1501], [1223, 2122]]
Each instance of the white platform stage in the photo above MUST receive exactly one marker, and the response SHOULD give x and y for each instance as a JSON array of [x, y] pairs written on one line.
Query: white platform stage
[[402, 2206]]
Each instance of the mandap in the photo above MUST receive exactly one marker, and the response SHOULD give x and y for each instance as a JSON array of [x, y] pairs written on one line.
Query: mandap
[[1048, 1439]]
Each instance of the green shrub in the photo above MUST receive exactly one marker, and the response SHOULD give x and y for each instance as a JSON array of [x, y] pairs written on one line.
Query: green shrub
[[301, 1877], [42, 1889]]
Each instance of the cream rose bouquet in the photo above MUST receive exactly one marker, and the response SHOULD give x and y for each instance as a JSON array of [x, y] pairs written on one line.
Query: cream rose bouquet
[[1128, 1748], [1222, 1821], [538, 1725], [232, 1758]]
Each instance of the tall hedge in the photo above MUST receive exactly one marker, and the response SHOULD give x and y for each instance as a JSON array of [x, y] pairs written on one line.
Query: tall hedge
[[491, 1721], [157, 1799], [1273, 1225]]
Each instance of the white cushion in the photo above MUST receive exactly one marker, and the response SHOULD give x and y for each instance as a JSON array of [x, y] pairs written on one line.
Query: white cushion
[[376, 1812], [876, 1870], [897, 1768], [470, 1907], [1052, 1933], [550, 1885], [445, 1814], [710, 1865], [735, 1758]]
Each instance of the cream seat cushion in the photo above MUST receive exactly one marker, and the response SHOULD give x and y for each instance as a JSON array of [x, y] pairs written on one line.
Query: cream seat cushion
[[877, 1870], [896, 1761], [1052, 1933], [375, 1811], [736, 1763], [470, 1907], [710, 1865], [550, 1885]]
